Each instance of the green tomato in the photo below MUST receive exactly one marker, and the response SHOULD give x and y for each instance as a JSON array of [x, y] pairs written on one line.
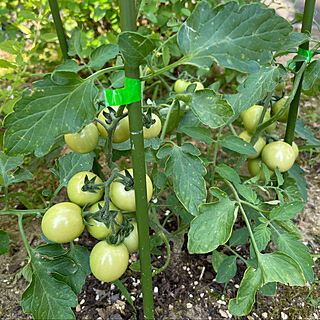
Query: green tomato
[[180, 86], [295, 149], [280, 86], [255, 168], [109, 262], [251, 118], [154, 130], [277, 106], [278, 154], [98, 229], [85, 140], [80, 197], [62, 222], [132, 240], [122, 131], [125, 200], [261, 142]]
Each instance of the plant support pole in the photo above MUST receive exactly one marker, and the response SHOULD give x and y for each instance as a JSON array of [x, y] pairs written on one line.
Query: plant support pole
[[294, 106], [128, 23], [59, 28]]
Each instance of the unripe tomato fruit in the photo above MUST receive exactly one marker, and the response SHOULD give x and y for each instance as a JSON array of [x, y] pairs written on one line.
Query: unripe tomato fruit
[[109, 262], [154, 130], [261, 142], [132, 240], [280, 86], [251, 118], [122, 131], [80, 197], [62, 222], [278, 154], [125, 200], [180, 86], [199, 85], [295, 148], [255, 168], [277, 106], [98, 229], [83, 141]]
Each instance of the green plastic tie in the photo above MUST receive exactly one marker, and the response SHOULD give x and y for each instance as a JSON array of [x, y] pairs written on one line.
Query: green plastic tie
[[123, 96], [302, 52]]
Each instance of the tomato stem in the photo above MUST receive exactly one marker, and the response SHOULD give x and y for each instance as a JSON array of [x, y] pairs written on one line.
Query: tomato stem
[[23, 236]]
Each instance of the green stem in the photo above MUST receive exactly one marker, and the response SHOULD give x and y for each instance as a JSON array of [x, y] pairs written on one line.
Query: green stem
[[6, 198], [167, 244], [246, 220], [128, 23], [59, 28], [103, 71], [294, 106], [236, 254], [55, 194], [13, 212], [164, 128], [23, 236]]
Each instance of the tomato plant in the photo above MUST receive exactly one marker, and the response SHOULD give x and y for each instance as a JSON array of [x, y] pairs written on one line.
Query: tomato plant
[[83, 141], [255, 168], [75, 188], [258, 145], [180, 86], [131, 241], [278, 154], [121, 132], [62, 222], [98, 229], [109, 262], [277, 106], [125, 199]]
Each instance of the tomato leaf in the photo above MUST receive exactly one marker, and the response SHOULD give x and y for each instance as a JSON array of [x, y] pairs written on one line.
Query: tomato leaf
[[248, 91], [61, 103], [216, 259], [187, 172], [56, 297], [251, 282], [228, 173], [247, 193], [237, 144], [210, 108], [4, 242], [80, 257], [293, 41], [72, 163], [269, 289], [227, 269], [287, 210], [135, 47], [199, 133], [306, 133], [240, 38], [51, 250], [239, 237], [212, 227], [312, 73], [289, 244], [102, 54], [262, 235], [296, 173]]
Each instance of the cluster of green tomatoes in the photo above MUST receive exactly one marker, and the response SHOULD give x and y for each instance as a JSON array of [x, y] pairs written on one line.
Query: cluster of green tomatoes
[[107, 222], [274, 154]]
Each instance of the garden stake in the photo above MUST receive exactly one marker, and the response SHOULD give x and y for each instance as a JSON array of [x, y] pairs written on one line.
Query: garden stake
[[128, 23], [59, 28], [294, 106]]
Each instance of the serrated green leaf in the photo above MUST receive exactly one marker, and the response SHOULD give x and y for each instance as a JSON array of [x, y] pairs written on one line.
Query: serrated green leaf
[[177, 208], [199, 133], [51, 250], [306, 133], [249, 93], [227, 269], [312, 73], [247, 193], [239, 237], [6, 64], [228, 173], [45, 297], [190, 148], [262, 235], [280, 267], [210, 108], [102, 54], [69, 65], [250, 283], [245, 42], [61, 103], [216, 259], [4, 242], [296, 173], [19, 175], [134, 47], [12, 46], [7, 164], [293, 41], [80, 257], [237, 144], [289, 244], [187, 173], [74, 44], [72, 163], [212, 227], [287, 210]]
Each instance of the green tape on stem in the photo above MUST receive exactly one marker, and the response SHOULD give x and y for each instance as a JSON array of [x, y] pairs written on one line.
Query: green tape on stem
[[302, 52], [129, 94]]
